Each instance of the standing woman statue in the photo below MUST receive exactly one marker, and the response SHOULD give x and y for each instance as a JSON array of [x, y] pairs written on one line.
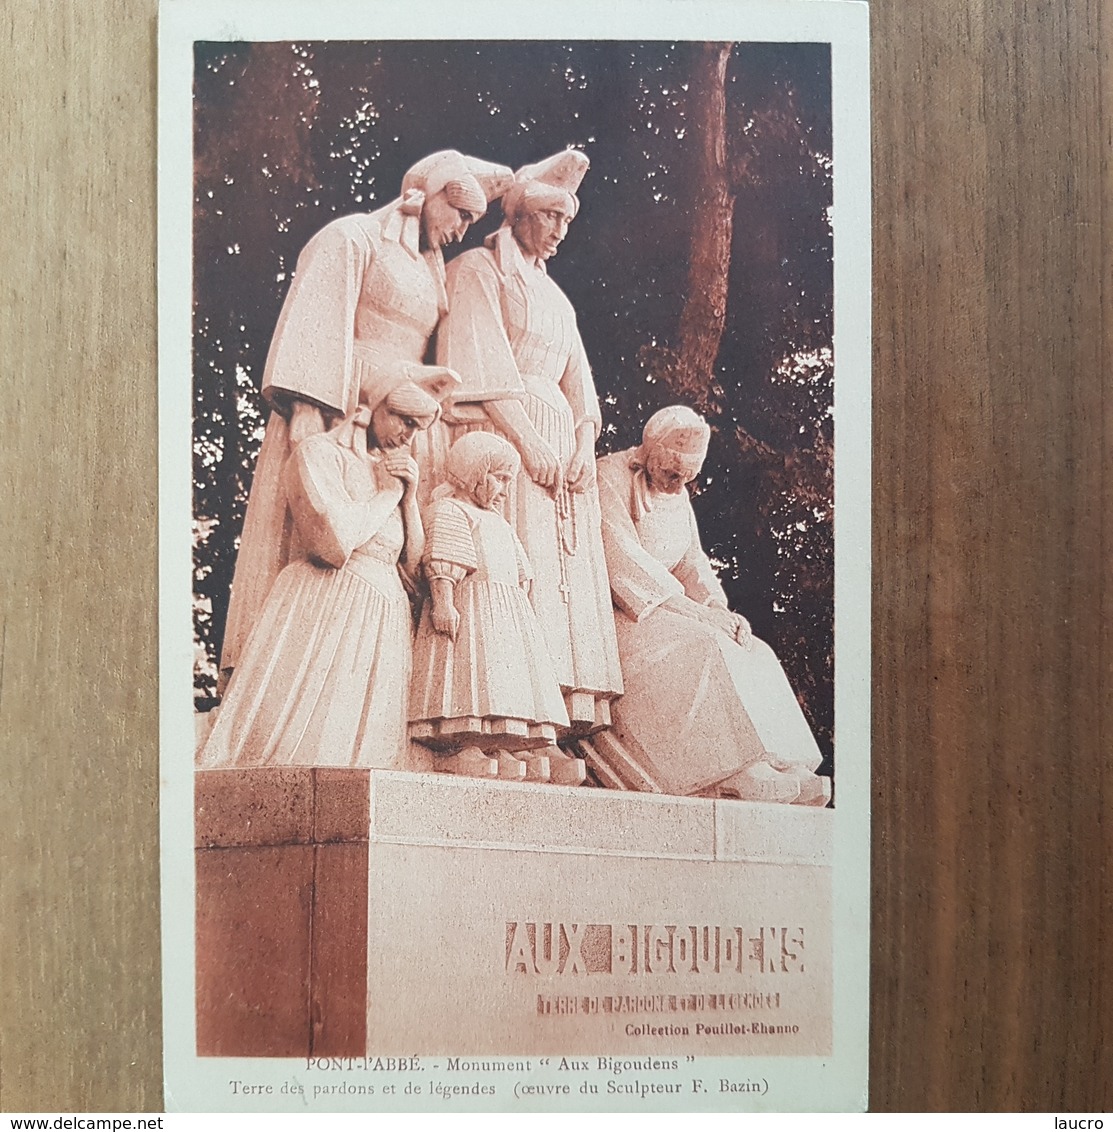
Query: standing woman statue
[[324, 675], [367, 294], [511, 335]]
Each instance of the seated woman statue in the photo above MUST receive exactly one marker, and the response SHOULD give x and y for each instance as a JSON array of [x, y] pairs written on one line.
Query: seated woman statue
[[324, 675], [707, 707]]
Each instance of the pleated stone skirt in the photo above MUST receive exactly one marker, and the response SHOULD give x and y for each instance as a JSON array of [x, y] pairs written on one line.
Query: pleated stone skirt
[[325, 674]]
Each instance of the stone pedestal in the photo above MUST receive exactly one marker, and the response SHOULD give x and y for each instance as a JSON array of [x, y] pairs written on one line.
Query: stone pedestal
[[342, 912], [508, 918], [281, 912]]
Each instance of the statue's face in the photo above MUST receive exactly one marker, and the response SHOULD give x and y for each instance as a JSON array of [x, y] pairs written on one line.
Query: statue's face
[[441, 222], [669, 471], [490, 493], [391, 429], [540, 233]]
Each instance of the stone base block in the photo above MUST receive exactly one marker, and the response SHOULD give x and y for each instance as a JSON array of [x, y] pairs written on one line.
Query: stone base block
[[512, 918], [281, 858], [343, 912]]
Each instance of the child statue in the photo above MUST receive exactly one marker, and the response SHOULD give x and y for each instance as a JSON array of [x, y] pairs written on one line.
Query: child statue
[[484, 689]]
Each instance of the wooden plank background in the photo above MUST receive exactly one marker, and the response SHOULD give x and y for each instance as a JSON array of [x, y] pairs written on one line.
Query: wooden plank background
[[993, 824]]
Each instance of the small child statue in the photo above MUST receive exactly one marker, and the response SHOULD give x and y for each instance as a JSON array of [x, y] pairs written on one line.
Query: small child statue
[[484, 690]]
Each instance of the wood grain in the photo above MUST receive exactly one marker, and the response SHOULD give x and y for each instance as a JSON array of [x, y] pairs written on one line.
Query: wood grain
[[993, 842], [79, 979], [993, 850]]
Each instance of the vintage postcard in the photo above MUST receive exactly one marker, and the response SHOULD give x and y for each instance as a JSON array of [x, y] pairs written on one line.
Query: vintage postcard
[[515, 432]]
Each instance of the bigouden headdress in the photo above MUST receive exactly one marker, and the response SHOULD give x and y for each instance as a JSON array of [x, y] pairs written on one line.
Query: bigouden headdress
[[546, 184], [469, 182]]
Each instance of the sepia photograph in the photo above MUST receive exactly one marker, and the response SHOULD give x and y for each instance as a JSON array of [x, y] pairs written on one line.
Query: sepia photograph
[[523, 474]]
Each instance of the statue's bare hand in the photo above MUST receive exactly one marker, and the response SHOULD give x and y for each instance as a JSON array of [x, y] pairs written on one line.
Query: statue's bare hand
[[446, 620], [541, 462], [732, 624], [580, 476], [721, 619], [401, 464], [743, 634]]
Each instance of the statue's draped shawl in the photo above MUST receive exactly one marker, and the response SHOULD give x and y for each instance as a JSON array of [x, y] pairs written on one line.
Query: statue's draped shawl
[[488, 340], [331, 522], [312, 354]]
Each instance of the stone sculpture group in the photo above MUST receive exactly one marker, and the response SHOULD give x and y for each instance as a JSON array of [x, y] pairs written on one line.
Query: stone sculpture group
[[566, 613]]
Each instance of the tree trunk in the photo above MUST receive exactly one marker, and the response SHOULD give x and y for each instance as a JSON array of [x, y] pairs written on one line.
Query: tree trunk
[[689, 368], [704, 315]]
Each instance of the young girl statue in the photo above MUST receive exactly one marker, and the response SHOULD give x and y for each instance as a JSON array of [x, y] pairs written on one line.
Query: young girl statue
[[323, 676], [482, 674]]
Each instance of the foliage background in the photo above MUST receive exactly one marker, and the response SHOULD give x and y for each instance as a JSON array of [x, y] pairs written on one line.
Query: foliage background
[[289, 136]]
